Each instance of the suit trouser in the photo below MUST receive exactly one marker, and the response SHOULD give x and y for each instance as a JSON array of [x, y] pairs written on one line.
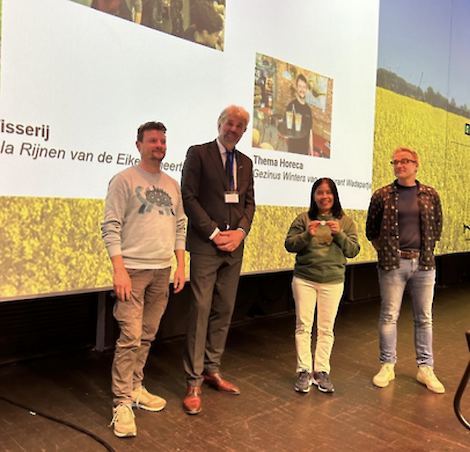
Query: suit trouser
[[138, 319], [214, 284]]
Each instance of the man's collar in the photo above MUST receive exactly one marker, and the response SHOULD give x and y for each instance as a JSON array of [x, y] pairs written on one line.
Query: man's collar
[[395, 184], [222, 148]]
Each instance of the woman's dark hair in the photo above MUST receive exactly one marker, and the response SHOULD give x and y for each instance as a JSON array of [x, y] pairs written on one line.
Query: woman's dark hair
[[336, 210]]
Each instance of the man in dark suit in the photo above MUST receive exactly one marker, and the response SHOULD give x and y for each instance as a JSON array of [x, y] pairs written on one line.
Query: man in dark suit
[[218, 199]]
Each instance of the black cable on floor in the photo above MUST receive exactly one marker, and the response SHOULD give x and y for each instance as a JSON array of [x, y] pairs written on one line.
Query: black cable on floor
[[461, 390], [60, 421]]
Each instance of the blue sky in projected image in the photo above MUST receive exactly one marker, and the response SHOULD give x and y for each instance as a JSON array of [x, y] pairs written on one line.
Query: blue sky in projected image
[[428, 37]]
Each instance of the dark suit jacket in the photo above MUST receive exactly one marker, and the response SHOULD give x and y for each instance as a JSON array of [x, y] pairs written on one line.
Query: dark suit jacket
[[203, 186]]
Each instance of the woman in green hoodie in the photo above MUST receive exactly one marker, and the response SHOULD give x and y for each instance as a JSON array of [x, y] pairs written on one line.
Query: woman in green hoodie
[[323, 238]]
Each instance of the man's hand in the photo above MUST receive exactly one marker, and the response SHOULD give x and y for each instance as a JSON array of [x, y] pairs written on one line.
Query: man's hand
[[179, 279], [284, 137], [229, 240], [122, 284]]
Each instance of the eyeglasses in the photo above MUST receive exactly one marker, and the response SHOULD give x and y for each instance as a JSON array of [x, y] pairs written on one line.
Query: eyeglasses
[[402, 161]]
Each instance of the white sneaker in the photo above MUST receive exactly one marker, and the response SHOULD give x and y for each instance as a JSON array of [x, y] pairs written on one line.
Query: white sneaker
[[427, 377], [385, 375], [141, 398], [123, 421]]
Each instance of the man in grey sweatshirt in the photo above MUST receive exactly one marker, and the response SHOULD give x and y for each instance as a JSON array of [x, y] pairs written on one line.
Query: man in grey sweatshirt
[[144, 225]]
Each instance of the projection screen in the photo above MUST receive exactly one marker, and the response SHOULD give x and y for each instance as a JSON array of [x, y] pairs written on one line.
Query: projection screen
[[79, 77]]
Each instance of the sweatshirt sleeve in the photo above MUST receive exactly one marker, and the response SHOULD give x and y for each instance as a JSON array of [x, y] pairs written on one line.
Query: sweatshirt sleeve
[[346, 239], [298, 236], [180, 240], [114, 214]]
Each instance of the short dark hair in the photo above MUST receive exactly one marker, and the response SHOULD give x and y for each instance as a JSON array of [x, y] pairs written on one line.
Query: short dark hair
[[151, 125], [205, 17], [336, 210], [301, 77]]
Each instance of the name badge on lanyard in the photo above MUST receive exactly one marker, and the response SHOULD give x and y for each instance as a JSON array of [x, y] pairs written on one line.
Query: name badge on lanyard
[[231, 197]]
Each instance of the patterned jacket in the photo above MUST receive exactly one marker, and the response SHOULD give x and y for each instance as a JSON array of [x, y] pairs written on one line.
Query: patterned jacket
[[382, 224]]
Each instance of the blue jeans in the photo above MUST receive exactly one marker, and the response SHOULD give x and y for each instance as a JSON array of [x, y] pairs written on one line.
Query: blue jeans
[[392, 286]]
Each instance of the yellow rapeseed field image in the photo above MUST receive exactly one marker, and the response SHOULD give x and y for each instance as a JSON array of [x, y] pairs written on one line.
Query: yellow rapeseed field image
[[440, 140], [50, 245]]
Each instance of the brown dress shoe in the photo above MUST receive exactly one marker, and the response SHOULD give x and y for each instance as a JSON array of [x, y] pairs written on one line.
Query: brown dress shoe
[[192, 400], [217, 382]]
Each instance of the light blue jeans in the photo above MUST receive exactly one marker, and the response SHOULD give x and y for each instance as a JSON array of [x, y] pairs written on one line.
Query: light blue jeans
[[392, 286]]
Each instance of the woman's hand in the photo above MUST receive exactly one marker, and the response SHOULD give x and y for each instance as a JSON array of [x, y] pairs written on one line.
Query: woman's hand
[[313, 226], [334, 226]]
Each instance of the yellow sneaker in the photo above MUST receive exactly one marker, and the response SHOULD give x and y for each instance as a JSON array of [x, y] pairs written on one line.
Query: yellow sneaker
[[385, 375], [142, 399], [123, 421], [427, 377]]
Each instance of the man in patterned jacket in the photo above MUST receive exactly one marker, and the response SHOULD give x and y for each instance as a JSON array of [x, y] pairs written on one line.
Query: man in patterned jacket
[[403, 224]]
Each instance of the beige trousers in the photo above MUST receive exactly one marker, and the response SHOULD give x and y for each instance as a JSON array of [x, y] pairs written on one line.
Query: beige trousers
[[326, 298]]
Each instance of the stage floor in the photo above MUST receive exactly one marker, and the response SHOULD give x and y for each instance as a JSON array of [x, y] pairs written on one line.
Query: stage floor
[[268, 415]]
